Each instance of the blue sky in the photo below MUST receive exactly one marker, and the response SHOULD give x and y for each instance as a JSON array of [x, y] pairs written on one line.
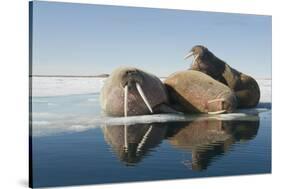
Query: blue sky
[[84, 39]]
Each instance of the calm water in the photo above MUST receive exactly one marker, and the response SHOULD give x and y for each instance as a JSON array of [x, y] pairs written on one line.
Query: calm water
[[70, 149]]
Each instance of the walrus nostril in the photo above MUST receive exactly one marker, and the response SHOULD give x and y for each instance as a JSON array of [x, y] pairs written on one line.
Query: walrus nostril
[[129, 73]]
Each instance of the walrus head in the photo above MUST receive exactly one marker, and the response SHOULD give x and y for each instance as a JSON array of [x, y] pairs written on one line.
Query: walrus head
[[132, 80], [205, 61], [197, 51]]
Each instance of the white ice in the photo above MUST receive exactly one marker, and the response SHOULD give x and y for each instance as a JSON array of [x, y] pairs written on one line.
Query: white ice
[[58, 86]]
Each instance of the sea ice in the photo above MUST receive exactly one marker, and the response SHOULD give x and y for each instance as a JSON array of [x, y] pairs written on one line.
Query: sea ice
[[47, 122]]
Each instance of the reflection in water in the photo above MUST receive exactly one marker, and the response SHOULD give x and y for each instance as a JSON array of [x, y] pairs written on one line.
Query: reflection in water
[[132, 142], [205, 139], [210, 138]]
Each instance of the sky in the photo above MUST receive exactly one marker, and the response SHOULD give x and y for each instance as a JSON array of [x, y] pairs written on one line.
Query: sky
[[86, 39]]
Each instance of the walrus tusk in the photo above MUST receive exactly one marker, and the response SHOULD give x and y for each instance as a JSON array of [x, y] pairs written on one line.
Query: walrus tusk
[[125, 138], [216, 100], [188, 55], [195, 58], [217, 112], [125, 115], [143, 97], [144, 138], [126, 101]]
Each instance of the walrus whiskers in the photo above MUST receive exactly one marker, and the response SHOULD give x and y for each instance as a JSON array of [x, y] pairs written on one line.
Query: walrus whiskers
[[143, 97]]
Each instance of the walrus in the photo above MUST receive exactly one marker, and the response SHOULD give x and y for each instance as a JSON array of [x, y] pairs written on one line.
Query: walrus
[[195, 92], [246, 88], [130, 91]]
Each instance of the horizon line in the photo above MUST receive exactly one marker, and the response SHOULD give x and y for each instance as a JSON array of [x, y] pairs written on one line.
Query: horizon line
[[107, 75]]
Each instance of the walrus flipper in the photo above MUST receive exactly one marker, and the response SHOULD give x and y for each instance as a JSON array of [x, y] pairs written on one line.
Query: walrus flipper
[[247, 99], [164, 108]]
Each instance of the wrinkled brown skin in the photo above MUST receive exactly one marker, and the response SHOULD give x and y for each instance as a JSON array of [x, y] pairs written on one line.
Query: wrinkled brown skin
[[210, 138], [112, 93], [245, 87], [190, 91]]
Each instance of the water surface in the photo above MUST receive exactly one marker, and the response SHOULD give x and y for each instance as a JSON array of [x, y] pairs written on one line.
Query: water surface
[[69, 148]]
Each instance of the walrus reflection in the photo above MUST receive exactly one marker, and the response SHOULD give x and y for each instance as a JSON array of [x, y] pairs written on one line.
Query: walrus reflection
[[245, 87], [131, 143], [209, 139]]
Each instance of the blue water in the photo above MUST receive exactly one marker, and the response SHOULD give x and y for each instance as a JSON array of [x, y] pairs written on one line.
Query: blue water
[[69, 150]]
